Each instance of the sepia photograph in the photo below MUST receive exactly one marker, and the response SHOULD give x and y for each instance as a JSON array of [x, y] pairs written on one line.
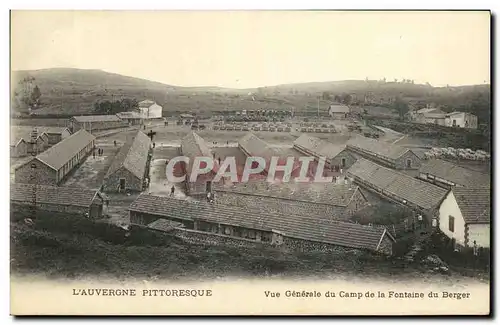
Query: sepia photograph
[[264, 162]]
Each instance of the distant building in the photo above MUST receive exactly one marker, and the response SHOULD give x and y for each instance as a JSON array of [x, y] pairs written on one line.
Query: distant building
[[383, 153], [438, 117], [51, 166], [18, 148], [148, 109], [339, 111], [464, 216], [36, 145], [130, 166], [448, 175], [55, 134], [132, 118], [95, 123], [71, 200], [461, 120], [337, 156]]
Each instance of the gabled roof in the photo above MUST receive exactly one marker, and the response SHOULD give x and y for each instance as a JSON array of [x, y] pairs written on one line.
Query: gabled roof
[[375, 147], [22, 132], [414, 191], [474, 203], [63, 195], [129, 115], [323, 193], [192, 146], [97, 118], [133, 155], [430, 110], [256, 147], [146, 103], [454, 173], [319, 147], [338, 108], [53, 129], [290, 225], [60, 153]]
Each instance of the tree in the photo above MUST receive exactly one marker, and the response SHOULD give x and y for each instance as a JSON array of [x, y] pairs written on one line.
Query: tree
[[325, 95], [401, 107], [346, 99], [35, 96]]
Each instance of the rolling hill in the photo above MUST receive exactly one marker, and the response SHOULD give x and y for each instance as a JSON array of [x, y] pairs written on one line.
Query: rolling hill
[[68, 91]]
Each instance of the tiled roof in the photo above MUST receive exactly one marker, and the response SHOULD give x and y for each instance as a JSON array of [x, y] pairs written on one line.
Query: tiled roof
[[457, 174], [319, 147], [60, 153], [256, 147], [293, 226], [62, 195], [474, 203], [324, 193], [128, 115], [192, 146], [146, 103], [372, 146], [22, 132], [417, 192], [53, 129], [97, 118], [338, 108], [133, 155], [283, 206]]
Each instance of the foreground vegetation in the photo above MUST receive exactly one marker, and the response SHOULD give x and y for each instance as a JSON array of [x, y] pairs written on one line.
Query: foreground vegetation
[[68, 246]]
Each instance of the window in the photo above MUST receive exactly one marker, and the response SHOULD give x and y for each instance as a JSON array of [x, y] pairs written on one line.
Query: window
[[408, 163], [343, 162], [454, 122], [451, 223]]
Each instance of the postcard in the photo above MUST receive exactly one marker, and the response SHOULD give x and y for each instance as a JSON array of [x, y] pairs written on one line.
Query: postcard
[[250, 163]]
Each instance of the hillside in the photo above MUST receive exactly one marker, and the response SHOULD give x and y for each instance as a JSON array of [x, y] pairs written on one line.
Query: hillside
[[66, 91]]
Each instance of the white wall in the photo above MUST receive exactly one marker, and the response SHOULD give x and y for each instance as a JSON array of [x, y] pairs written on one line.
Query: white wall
[[480, 233], [154, 111], [449, 207]]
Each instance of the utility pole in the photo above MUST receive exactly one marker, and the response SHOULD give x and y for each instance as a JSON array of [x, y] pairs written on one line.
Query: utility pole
[[318, 106]]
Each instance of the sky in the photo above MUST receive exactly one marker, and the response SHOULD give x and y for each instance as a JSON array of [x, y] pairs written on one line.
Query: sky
[[245, 49]]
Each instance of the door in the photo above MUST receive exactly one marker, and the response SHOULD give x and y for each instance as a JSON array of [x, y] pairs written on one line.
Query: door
[[209, 187], [122, 184]]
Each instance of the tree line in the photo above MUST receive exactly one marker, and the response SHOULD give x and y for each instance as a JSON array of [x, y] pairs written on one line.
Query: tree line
[[107, 107]]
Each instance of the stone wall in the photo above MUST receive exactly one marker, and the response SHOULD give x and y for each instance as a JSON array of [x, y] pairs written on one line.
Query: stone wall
[[357, 203], [299, 245], [201, 237], [345, 154], [132, 182], [400, 163], [385, 246], [42, 174]]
